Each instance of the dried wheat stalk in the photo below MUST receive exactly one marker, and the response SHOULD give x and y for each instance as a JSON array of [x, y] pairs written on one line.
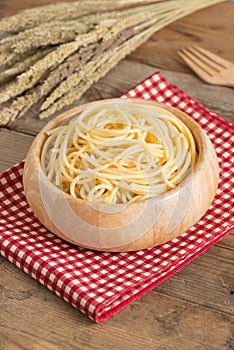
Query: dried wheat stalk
[[62, 11], [99, 56], [57, 35], [91, 73], [71, 90], [15, 48], [33, 75], [23, 103], [105, 30], [23, 65], [60, 66]]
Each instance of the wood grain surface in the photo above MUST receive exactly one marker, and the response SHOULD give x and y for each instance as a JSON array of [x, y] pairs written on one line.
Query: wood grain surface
[[194, 309]]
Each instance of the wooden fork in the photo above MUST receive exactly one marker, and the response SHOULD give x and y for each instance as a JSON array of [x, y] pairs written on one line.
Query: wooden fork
[[208, 66]]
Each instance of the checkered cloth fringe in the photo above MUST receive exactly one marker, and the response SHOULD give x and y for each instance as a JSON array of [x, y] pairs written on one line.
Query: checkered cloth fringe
[[101, 284]]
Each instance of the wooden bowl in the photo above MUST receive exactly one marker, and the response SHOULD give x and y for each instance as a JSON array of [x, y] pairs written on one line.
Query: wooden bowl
[[119, 227]]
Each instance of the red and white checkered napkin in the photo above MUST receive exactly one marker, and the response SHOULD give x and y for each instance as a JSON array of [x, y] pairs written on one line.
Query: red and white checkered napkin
[[101, 284]]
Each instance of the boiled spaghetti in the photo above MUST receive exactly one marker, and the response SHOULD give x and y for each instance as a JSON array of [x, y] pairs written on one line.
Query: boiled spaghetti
[[119, 153]]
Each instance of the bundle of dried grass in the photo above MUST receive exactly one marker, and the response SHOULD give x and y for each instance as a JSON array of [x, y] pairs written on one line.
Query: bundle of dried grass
[[58, 51]]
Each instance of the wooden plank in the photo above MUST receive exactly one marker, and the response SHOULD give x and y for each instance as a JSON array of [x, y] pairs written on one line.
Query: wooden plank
[[127, 74], [13, 147], [227, 242], [207, 281], [154, 321]]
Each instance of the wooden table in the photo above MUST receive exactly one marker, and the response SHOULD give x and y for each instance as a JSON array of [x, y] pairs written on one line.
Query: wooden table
[[191, 310]]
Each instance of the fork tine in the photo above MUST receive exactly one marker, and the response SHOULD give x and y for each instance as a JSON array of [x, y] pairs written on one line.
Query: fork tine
[[200, 72], [196, 64], [200, 55], [215, 58], [207, 68]]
